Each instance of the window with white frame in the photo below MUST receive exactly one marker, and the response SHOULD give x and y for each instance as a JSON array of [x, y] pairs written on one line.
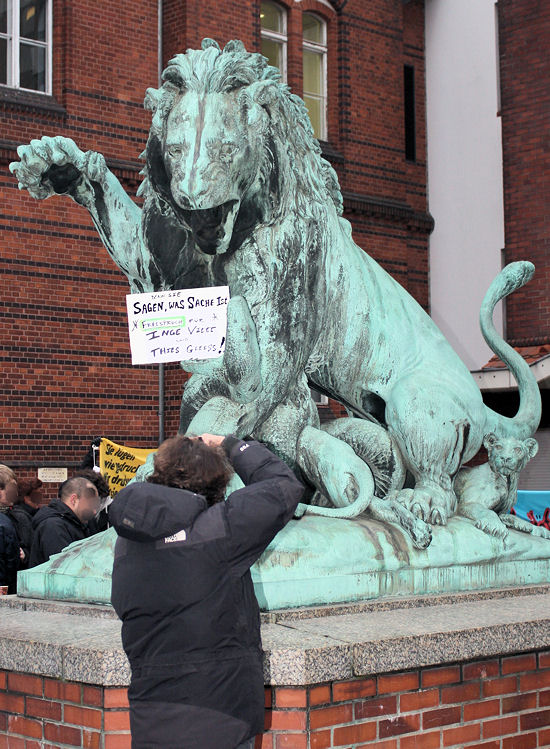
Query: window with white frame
[[274, 35], [319, 398], [314, 31], [25, 44]]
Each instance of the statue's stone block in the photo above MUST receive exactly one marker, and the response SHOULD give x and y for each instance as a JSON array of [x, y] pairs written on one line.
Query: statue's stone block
[[319, 560]]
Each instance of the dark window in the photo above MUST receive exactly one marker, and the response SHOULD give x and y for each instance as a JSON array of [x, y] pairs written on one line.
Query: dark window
[[410, 120]]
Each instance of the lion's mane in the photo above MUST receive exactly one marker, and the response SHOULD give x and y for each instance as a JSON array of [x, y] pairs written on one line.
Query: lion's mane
[[297, 153]]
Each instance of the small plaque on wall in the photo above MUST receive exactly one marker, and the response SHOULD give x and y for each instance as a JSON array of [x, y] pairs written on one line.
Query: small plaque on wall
[[52, 475]]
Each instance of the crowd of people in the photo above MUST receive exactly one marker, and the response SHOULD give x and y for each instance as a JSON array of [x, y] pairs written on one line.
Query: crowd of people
[[31, 532]]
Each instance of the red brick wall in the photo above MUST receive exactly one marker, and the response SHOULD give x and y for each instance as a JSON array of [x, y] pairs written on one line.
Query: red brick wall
[[501, 703], [65, 353], [42, 713], [524, 27]]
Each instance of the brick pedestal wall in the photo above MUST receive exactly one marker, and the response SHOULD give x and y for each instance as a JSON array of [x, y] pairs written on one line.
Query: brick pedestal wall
[[502, 703], [42, 713]]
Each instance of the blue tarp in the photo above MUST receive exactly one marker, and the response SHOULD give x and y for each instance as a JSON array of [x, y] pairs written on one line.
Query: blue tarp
[[533, 507]]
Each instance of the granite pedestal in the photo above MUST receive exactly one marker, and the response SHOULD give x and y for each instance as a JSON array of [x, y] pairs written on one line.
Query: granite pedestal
[[423, 669]]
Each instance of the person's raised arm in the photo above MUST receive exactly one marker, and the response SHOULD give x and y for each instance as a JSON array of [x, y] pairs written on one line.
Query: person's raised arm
[[256, 513]]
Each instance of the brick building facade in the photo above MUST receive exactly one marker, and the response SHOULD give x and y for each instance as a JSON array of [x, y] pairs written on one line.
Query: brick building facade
[[524, 35], [66, 361]]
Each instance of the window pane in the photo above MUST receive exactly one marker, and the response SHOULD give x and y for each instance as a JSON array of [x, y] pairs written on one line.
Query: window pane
[[313, 28], [274, 53], [33, 19], [3, 61], [271, 17], [3, 16], [32, 67], [313, 72], [314, 108]]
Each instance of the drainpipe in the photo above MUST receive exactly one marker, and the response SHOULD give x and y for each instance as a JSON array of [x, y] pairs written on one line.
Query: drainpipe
[[161, 403], [161, 366]]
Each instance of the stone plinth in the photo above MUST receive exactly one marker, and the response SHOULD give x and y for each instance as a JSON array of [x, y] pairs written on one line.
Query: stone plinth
[[451, 671], [317, 560]]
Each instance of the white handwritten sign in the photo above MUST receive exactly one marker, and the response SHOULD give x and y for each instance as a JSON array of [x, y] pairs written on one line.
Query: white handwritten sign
[[177, 325]]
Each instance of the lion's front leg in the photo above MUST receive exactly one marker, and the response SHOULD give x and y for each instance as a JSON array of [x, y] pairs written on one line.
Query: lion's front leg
[[57, 166], [436, 435], [519, 524]]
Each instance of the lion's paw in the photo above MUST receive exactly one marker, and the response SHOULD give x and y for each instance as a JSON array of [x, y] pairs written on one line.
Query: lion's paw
[[94, 166], [48, 165], [432, 504], [492, 526], [540, 531]]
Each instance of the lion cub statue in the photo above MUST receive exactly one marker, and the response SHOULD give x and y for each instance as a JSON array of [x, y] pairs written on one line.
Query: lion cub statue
[[487, 493]]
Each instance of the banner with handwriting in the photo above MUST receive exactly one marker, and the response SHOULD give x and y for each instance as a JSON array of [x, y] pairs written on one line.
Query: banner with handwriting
[[177, 325]]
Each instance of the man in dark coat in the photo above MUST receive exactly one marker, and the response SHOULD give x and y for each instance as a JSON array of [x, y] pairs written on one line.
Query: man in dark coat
[[9, 543], [22, 513], [64, 520], [183, 589]]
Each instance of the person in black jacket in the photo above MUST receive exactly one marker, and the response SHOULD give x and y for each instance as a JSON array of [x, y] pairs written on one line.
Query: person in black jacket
[[22, 513], [64, 520], [183, 589], [9, 543]]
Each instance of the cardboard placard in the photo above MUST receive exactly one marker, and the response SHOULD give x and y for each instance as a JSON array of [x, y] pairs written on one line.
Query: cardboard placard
[[177, 325]]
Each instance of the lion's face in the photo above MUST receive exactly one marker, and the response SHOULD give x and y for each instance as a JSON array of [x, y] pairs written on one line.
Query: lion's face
[[508, 455], [212, 152]]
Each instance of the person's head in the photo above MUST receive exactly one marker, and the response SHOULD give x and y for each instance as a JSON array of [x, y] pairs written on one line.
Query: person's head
[[8, 487], [30, 492], [80, 495], [191, 464], [96, 478]]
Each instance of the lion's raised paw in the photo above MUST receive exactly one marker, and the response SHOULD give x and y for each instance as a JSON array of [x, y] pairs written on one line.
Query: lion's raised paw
[[46, 164]]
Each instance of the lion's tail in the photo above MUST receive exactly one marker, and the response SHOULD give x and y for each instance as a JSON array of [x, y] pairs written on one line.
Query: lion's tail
[[525, 422]]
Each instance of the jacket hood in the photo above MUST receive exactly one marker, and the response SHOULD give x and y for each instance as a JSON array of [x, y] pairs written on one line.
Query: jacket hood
[[148, 512], [56, 508]]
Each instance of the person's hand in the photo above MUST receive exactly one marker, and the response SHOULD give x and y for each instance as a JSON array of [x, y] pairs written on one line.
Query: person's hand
[[21, 554], [212, 440]]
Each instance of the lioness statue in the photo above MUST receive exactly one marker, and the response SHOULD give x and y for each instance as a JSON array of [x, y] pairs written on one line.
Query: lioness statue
[[236, 191], [487, 493]]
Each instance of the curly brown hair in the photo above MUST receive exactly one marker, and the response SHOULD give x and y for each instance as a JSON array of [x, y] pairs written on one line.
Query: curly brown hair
[[191, 464]]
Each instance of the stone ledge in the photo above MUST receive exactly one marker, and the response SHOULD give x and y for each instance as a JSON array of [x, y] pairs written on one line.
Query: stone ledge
[[106, 611], [82, 646]]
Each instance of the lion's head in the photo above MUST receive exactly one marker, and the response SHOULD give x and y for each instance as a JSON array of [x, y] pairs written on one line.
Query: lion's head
[[509, 455], [230, 147]]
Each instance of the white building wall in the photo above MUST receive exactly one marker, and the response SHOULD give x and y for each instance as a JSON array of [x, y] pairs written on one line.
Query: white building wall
[[464, 168]]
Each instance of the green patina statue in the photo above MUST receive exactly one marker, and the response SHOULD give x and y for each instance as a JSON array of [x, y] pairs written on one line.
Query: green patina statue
[[236, 192]]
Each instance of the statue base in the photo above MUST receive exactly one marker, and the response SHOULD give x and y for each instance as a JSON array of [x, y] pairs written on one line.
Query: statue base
[[444, 671], [319, 561]]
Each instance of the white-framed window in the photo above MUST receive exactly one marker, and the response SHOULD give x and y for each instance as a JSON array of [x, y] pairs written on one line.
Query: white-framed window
[[314, 32], [274, 35], [318, 398], [26, 44]]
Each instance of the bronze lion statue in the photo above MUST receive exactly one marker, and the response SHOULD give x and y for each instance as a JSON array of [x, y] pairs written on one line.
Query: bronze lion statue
[[236, 192]]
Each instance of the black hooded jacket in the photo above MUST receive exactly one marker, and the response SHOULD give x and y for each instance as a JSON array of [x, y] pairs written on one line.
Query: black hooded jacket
[[183, 589], [9, 553], [21, 516], [55, 527]]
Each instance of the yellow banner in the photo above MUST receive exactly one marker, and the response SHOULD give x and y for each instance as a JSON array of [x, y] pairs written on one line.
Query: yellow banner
[[118, 463]]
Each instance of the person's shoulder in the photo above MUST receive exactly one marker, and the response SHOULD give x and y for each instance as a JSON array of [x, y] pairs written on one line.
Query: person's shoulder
[[50, 514], [20, 513], [6, 523]]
